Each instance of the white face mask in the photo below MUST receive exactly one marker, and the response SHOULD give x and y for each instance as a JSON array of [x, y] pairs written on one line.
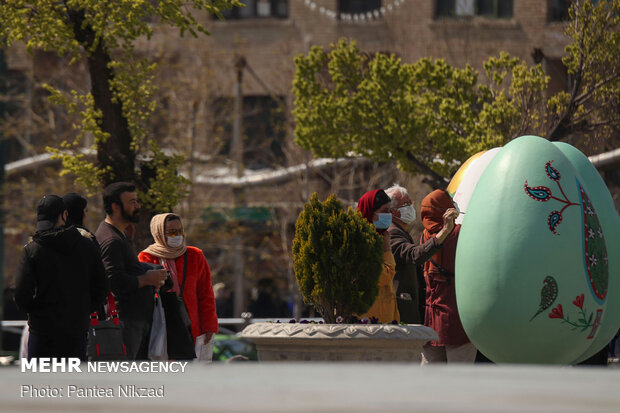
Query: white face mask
[[407, 214], [174, 242]]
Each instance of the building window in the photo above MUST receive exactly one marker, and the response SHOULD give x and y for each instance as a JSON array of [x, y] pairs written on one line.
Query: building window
[[358, 6], [263, 130], [502, 9], [258, 8], [559, 10], [495, 8], [444, 8]]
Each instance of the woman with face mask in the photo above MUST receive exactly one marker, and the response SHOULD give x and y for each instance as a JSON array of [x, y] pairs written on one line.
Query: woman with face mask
[[374, 206], [441, 310], [171, 251]]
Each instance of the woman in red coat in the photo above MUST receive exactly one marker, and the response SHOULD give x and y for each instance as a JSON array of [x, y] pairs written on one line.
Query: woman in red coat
[[169, 250], [441, 311]]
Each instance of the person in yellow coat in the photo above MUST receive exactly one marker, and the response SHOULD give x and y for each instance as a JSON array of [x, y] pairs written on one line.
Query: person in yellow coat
[[375, 207]]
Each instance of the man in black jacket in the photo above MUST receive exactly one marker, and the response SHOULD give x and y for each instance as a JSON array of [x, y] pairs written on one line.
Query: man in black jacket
[[133, 286], [61, 280], [409, 257]]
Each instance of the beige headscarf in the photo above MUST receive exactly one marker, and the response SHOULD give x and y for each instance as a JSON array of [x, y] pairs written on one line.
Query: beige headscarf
[[160, 248]]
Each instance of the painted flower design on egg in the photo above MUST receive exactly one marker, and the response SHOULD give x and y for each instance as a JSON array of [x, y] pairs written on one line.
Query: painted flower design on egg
[[582, 321], [596, 264], [544, 194], [595, 251]]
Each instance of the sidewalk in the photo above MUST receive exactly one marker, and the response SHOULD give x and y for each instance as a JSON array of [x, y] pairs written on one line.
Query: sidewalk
[[330, 387]]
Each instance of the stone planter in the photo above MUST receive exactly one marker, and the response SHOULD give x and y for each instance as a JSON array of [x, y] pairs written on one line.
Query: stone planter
[[338, 342]]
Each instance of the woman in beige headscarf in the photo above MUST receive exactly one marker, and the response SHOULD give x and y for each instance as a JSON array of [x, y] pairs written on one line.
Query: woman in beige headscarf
[[171, 251]]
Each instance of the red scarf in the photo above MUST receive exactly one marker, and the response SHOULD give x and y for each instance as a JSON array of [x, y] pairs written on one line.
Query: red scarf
[[434, 205], [366, 204]]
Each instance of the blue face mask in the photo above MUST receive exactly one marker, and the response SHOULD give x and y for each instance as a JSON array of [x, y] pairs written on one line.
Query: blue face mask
[[384, 221]]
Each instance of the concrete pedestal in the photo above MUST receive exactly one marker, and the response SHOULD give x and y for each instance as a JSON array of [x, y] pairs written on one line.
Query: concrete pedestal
[[338, 342]]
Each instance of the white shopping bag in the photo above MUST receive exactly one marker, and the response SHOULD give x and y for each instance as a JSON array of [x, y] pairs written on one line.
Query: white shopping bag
[[158, 349], [204, 352]]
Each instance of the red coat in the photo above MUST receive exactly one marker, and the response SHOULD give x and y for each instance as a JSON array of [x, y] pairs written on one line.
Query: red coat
[[198, 291]]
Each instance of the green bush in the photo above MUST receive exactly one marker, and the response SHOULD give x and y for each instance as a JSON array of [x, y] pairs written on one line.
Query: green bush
[[338, 258]]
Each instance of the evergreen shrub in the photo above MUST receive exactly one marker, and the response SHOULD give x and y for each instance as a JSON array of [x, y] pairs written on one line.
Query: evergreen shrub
[[338, 258]]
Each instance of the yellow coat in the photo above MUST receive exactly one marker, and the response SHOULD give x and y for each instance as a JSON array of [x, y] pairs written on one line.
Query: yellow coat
[[385, 308]]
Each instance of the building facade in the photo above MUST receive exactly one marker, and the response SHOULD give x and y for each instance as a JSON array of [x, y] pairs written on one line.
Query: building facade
[[247, 193]]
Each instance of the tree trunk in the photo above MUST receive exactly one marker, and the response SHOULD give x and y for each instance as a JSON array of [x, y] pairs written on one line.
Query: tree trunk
[[116, 151]]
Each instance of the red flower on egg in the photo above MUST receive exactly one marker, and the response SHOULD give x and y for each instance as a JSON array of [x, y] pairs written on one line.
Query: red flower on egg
[[578, 301], [557, 312]]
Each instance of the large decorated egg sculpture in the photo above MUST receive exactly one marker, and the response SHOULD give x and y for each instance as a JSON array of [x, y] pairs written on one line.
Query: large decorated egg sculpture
[[537, 280]]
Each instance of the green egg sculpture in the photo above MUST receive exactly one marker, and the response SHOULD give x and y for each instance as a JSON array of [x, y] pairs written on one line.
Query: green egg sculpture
[[535, 272]]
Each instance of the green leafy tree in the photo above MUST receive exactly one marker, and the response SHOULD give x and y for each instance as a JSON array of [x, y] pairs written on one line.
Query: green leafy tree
[[115, 111], [429, 116], [337, 258], [591, 107]]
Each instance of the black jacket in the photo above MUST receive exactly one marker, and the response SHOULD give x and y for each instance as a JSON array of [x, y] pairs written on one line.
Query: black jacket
[[410, 293], [61, 280], [123, 268]]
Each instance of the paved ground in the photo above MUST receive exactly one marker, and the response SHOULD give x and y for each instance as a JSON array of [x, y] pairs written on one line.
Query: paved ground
[[329, 387]]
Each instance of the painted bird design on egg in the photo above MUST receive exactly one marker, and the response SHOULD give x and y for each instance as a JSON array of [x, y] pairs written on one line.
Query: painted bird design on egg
[[548, 294]]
